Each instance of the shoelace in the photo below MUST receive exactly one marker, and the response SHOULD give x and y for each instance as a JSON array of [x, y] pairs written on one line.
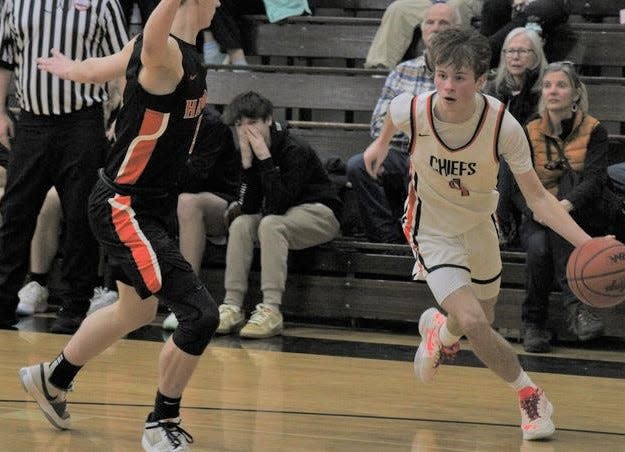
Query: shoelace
[[173, 432], [447, 353], [530, 405], [259, 315]]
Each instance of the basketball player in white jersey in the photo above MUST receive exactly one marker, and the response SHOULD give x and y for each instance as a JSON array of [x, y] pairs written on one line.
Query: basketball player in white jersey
[[457, 138]]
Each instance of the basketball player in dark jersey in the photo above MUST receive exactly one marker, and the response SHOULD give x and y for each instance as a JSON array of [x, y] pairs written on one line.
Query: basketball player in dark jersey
[[132, 211]]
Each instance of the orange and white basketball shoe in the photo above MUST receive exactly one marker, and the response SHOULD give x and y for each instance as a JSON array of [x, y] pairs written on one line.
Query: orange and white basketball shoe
[[536, 411], [431, 352]]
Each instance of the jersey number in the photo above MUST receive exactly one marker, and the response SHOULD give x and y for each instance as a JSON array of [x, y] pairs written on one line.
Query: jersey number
[[457, 185]]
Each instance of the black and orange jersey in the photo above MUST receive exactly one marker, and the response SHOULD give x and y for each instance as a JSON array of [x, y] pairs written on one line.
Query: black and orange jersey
[[155, 133]]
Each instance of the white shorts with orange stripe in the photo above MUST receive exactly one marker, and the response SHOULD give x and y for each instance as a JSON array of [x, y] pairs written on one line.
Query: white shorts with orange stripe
[[470, 259]]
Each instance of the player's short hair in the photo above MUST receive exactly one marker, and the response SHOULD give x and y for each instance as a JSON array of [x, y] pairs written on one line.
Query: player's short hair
[[247, 105], [461, 47]]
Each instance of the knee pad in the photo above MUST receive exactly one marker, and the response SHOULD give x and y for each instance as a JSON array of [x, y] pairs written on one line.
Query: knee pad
[[198, 318]]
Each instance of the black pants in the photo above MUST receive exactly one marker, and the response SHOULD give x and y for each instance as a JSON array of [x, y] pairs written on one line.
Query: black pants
[[62, 151], [547, 254], [230, 29]]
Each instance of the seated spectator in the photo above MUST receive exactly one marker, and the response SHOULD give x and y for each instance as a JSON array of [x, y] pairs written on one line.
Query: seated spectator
[[208, 184], [232, 31], [547, 17], [287, 201], [33, 297], [517, 84], [399, 21], [570, 150], [381, 201]]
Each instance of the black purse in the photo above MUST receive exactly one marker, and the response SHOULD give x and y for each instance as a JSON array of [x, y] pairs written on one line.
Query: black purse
[[569, 178]]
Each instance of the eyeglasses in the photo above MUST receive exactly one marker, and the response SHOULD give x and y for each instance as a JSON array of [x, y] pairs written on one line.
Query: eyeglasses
[[519, 52]]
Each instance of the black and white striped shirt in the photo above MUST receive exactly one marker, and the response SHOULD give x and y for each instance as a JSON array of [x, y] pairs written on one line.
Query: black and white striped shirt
[[80, 29]]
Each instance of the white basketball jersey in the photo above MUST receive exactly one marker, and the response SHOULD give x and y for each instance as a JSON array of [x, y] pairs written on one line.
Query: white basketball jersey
[[455, 188]]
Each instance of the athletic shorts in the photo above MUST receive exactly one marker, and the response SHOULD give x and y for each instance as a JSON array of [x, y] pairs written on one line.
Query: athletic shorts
[[138, 238], [470, 259]]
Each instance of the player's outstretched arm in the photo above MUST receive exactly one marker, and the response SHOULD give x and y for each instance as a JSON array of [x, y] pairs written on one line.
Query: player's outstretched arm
[[548, 210], [377, 151], [91, 70]]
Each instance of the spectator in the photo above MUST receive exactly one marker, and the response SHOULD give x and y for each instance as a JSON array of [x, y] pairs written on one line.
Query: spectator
[[286, 202], [56, 119], [547, 17], [208, 184], [232, 31], [517, 84], [33, 297], [381, 201], [570, 150], [399, 21]]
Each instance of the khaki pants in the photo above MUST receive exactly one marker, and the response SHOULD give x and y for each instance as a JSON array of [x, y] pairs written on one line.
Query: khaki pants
[[300, 227], [397, 28]]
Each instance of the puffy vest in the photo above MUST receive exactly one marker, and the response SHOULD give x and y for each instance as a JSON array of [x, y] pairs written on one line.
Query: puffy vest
[[545, 147]]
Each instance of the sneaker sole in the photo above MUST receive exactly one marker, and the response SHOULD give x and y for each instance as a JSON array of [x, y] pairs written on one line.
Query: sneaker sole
[[272, 333], [233, 329], [26, 312], [29, 386]]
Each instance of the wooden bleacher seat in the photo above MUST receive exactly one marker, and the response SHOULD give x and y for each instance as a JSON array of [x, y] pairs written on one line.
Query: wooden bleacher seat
[[348, 39], [350, 91]]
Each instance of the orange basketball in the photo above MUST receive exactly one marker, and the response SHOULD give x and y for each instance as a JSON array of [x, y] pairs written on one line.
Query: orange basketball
[[596, 272]]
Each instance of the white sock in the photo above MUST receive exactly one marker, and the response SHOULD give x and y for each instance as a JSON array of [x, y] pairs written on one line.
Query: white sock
[[445, 336], [273, 306], [522, 381]]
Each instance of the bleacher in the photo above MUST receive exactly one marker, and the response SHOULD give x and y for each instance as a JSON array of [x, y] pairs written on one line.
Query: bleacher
[[311, 69]]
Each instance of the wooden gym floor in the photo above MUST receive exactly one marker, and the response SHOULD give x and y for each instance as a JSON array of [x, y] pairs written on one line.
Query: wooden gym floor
[[315, 389]]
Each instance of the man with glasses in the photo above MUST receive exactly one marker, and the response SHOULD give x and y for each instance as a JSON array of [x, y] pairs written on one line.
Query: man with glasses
[[59, 141]]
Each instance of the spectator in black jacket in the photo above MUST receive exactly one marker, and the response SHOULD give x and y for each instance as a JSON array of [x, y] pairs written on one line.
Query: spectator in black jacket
[[208, 183], [517, 83], [286, 201]]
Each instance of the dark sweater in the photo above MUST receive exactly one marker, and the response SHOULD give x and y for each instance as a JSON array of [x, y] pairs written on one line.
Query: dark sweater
[[293, 175], [215, 164]]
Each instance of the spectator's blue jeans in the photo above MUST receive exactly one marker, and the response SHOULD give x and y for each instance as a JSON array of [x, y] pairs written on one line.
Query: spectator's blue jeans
[[617, 175], [381, 201]]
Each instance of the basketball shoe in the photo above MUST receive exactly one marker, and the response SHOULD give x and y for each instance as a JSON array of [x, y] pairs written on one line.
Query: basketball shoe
[[50, 399], [33, 298], [431, 352], [165, 435], [536, 412]]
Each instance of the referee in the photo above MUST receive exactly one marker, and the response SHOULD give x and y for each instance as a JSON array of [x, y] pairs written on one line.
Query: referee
[[59, 141]]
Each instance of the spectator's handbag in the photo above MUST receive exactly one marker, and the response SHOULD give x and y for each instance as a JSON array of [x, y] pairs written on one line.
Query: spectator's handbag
[[278, 10], [569, 178]]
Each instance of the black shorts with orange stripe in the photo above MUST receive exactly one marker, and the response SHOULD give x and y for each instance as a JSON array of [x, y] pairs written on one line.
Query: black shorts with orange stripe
[[138, 236]]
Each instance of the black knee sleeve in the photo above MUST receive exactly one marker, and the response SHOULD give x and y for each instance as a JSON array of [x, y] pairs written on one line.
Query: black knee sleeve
[[198, 318]]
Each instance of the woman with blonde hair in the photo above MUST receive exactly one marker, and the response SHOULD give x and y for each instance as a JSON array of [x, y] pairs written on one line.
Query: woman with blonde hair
[[570, 154]]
